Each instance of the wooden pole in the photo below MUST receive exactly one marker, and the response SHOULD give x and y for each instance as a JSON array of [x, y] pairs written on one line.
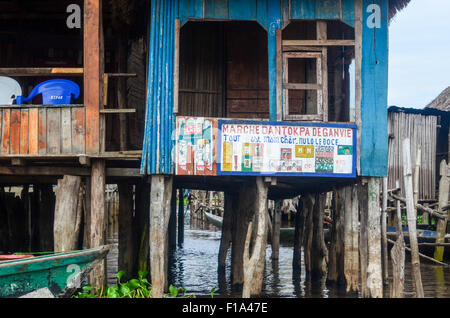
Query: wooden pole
[[443, 200], [354, 286], [307, 248], [254, 261], [415, 261], [142, 225], [416, 178], [398, 256], [226, 238], [46, 217], [97, 228], [160, 202], [374, 275], [127, 239], [180, 217], [173, 221], [363, 239], [298, 235], [319, 251], [66, 230], [276, 224], [383, 231]]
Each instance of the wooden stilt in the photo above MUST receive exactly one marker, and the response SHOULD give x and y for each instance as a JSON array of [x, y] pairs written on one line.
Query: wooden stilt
[[336, 253], [308, 232], [66, 229], [319, 251], [276, 224], [87, 214], [354, 233], [443, 200], [180, 217], [298, 236], [384, 245], [363, 236], [240, 223], [142, 225], [127, 239], [226, 238], [173, 221], [254, 261], [398, 257], [46, 217], [160, 202], [97, 277], [409, 193], [374, 271]]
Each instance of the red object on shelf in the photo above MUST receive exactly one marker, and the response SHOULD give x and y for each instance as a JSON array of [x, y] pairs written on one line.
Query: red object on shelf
[[14, 257]]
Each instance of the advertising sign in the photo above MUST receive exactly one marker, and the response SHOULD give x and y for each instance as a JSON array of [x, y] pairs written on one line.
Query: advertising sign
[[282, 148]]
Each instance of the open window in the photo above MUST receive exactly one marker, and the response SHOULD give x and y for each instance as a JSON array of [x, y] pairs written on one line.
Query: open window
[[305, 85]]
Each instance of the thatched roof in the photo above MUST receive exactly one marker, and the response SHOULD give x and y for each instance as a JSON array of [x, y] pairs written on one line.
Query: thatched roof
[[442, 102], [396, 6]]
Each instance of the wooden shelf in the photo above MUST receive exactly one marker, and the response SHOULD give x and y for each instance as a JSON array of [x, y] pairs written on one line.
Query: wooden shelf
[[42, 71], [24, 106], [53, 71], [117, 110]]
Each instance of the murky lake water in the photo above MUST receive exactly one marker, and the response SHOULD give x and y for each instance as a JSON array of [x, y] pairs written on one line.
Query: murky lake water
[[194, 266]]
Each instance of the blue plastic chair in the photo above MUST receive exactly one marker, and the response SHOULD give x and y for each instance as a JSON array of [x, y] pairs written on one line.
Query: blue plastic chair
[[54, 92]]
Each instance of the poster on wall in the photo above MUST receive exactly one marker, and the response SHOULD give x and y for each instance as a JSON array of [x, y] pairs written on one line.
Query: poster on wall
[[285, 149], [195, 146]]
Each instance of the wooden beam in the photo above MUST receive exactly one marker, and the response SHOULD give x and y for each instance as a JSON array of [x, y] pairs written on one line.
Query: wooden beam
[[319, 42], [42, 71], [93, 72], [42, 171], [117, 111]]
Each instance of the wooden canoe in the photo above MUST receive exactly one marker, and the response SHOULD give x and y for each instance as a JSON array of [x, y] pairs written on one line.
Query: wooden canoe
[[60, 274]]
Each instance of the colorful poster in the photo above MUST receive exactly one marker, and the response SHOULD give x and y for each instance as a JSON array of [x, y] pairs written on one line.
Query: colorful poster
[[271, 148], [195, 146]]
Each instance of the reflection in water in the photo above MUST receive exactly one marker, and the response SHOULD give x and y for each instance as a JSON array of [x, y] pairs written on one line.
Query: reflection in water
[[194, 266]]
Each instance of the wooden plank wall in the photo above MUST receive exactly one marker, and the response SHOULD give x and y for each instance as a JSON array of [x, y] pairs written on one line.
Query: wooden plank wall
[[421, 130], [42, 131]]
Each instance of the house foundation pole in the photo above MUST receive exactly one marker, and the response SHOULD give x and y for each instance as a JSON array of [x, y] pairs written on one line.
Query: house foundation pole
[[160, 208]]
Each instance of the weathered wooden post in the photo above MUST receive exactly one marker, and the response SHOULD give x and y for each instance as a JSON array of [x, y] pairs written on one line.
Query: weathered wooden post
[[307, 248], [363, 235], [142, 224], [160, 208], [127, 239], [374, 275], [409, 193], [443, 200], [66, 229], [276, 224], [97, 215], [336, 253], [319, 250], [173, 221], [298, 235], [180, 217], [398, 256], [384, 230], [254, 261], [226, 238], [351, 246]]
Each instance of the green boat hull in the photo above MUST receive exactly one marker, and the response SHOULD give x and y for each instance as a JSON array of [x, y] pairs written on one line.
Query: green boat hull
[[59, 273]]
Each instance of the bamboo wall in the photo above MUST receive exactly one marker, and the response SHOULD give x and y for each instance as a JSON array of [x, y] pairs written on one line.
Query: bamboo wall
[[421, 130]]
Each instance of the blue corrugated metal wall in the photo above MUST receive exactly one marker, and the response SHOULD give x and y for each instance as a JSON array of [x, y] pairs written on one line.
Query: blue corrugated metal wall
[[159, 118]]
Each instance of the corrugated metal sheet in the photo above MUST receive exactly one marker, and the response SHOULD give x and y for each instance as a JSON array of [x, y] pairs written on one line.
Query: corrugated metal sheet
[[160, 120], [421, 130]]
